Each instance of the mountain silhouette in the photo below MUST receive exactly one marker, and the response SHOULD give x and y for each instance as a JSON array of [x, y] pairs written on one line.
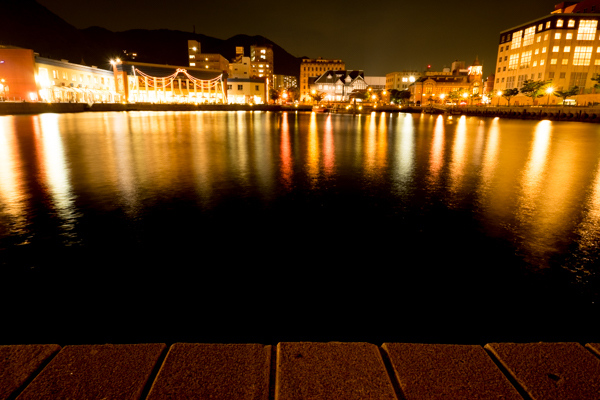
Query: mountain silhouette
[[28, 24]]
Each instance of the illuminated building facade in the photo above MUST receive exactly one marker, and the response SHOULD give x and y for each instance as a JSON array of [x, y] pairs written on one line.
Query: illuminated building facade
[[210, 62], [563, 47], [261, 59], [436, 85], [246, 91], [282, 82], [338, 85], [30, 77], [401, 80], [313, 68], [239, 68], [156, 83]]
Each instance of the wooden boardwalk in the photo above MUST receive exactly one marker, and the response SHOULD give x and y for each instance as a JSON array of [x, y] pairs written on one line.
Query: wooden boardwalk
[[301, 371]]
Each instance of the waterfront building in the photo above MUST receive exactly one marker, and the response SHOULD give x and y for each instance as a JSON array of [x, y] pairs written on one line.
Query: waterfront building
[[338, 85], [437, 85], [314, 68], [375, 82], [208, 61], [401, 80], [239, 68], [246, 91], [562, 47], [29, 77], [282, 82], [157, 83], [261, 62]]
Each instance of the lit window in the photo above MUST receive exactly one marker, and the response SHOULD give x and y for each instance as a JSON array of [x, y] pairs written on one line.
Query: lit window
[[263, 57], [535, 63], [513, 62], [557, 35], [597, 62], [545, 37], [516, 41], [587, 30], [529, 34], [547, 24], [569, 36], [263, 51], [525, 59], [598, 50], [567, 49], [571, 23], [559, 23], [540, 27], [553, 61], [537, 51], [542, 62], [565, 61], [582, 55], [192, 64], [539, 39], [543, 49], [555, 49], [192, 56]]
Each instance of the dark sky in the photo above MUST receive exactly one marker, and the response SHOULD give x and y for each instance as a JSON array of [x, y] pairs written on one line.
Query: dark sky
[[379, 36]]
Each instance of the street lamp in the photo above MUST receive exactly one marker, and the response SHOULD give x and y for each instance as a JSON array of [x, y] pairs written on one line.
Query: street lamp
[[549, 91], [499, 95]]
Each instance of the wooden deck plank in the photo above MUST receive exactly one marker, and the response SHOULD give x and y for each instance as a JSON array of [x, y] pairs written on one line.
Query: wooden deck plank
[[19, 362], [349, 371], [214, 371], [551, 371], [95, 372], [435, 371]]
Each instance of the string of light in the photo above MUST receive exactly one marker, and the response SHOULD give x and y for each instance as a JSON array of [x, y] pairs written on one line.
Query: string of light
[[209, 83]]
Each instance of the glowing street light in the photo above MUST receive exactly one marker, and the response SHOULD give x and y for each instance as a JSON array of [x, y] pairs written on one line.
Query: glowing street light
[[549, 91], [499, 95]]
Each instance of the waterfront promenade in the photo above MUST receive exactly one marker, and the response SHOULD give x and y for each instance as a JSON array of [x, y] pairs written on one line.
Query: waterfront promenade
[[301, 370]]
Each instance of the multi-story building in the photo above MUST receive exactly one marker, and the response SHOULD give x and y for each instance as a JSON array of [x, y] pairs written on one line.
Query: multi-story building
[[562, 47], [375, 82], [262, 59], [338, 85], [401, 80], [239, 68], [436, 85], [246, 91], [313, 68], [211, 62], [27, 76], [282, 82]]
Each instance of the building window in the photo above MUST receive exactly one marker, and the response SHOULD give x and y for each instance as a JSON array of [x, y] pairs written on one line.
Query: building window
[[542, 62], [256, 88], [555, 49], [540, 27], [539, 39], [545, 37], [543, 49], [513, 62], [516, 41], [229, 87], [528, 38], [192, 64], [535, 63], [537, 51], [587, 29], [550, 75], [567, 49], [582, 55], [192, 56], [240, 87], [525, 59], [597, 62], [578, 79], [562, 75], [565, 61], [547, 24], [559, 23], [540, 75], [557, 35], [569, 36], [571, 23], [553, 61]]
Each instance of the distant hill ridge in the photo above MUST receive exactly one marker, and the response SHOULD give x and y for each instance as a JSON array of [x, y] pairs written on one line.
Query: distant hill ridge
[[28, 24]]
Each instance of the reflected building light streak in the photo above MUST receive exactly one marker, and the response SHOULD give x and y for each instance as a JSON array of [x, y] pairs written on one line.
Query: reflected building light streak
[[54, 167], [313, 148], [12, 195], [490, 158], [201, 161], [371, 144], [124, 159], [285, 152], [263, 161], [459, 151], [328, 148], [534, 168], [382, 145], [405, 152], [437, 148], [589, 232]]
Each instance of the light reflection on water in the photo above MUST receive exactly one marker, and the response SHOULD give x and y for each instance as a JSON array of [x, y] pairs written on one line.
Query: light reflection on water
[[420, 194]]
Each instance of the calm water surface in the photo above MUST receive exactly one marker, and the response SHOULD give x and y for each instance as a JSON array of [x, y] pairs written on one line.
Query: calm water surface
[[265, 227]]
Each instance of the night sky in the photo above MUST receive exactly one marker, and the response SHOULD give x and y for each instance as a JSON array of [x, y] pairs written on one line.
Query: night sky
[[378, 37]]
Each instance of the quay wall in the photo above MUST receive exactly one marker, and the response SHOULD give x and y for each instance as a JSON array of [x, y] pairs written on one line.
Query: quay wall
[[560, 113]]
